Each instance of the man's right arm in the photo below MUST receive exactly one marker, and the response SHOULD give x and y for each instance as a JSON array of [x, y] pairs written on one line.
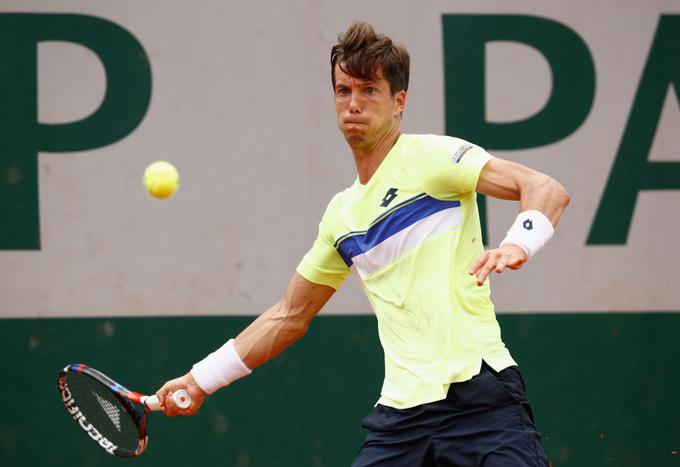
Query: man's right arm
[[284, 323], [266, 337]]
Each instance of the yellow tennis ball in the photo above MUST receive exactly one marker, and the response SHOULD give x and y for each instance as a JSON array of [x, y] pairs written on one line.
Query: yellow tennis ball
[[161, 179]]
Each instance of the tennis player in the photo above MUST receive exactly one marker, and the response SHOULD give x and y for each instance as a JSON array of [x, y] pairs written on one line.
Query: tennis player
[[409, 227]]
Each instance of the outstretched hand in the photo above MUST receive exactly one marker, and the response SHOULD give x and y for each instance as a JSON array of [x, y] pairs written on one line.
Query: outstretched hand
[[187, 383], [507, 256]]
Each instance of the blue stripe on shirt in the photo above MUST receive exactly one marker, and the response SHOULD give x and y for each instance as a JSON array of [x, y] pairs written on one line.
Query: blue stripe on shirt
[[356, 243]]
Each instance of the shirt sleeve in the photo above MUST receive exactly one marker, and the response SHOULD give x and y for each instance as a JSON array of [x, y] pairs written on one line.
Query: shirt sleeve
[[322, 264], [446, 167]]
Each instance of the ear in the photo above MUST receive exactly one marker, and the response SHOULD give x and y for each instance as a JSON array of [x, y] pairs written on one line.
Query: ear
[[399, 102]]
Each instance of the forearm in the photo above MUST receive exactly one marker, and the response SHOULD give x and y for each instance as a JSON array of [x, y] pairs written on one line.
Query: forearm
[[266, 337], [284, 323], [534, 190], [544, 194], [269, 335]]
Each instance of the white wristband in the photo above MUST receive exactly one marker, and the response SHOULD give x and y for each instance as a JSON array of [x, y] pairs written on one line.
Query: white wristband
[[530, 231], [219, 369]]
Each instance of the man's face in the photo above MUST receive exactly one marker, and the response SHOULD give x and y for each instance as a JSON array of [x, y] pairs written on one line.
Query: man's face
[[366, 109]]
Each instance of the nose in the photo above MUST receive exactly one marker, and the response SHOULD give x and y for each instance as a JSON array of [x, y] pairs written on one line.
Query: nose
[[354, 104]]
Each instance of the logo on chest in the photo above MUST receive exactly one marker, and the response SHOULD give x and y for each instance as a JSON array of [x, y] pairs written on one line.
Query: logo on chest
[[389, 197]]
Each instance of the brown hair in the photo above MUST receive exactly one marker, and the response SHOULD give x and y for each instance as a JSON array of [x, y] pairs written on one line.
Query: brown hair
[[363, 53]]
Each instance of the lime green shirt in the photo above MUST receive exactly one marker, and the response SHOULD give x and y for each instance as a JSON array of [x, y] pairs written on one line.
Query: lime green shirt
[[411, 234]]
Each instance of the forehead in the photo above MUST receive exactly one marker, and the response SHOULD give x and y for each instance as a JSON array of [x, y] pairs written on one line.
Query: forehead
[[343, 78]]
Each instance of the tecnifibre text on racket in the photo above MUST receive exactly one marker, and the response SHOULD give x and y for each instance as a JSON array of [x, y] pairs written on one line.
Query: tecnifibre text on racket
[[107, 412]]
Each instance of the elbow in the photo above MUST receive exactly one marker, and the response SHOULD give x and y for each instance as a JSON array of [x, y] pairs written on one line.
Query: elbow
[[298, 328], [552, 191], [557, 201], [562, 197], [292, 323]]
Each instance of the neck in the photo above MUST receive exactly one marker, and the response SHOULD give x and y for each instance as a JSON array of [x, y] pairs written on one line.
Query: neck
[[369, 158]]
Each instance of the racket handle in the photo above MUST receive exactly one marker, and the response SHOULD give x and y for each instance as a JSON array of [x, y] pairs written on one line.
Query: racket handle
[[152, 402], [181, 399]]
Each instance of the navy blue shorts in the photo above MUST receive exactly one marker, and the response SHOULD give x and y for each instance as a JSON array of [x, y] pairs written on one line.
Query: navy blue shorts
[[486, 421]]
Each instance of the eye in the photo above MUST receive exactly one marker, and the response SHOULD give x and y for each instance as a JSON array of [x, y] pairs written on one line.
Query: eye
[[371, 90], [342, 91]]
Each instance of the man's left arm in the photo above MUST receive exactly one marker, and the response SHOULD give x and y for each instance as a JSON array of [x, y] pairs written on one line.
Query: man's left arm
[[542, 201]]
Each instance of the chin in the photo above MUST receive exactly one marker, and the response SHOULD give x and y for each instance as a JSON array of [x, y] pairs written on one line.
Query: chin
[[355, 139], [354, 136]]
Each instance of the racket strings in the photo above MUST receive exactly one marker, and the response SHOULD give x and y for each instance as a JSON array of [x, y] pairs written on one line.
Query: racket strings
[[111, 410], [106, 418]]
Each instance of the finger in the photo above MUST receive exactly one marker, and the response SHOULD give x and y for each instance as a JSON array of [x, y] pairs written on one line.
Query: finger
[[474, 267], [170, 409], [485, 270], [189, 411], [500, 266], [167, 392], [160, 394]]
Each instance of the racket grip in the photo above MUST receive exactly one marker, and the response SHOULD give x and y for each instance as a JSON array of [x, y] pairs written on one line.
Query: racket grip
[[181, 399], [152, 402]]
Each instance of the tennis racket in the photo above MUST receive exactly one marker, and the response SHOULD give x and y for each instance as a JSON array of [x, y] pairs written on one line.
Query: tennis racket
[[114, 417]]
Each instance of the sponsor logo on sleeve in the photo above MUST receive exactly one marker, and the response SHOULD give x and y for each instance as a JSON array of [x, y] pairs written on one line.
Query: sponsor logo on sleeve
[[458, 155]]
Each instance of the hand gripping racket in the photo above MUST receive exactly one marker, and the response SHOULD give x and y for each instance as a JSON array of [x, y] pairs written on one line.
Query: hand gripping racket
[[105, 410]]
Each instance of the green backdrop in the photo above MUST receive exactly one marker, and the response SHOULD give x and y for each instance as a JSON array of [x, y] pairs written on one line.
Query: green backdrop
[[605, 389]]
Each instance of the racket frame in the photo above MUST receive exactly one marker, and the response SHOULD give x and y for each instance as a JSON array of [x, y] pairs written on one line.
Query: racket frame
[[124, 395]]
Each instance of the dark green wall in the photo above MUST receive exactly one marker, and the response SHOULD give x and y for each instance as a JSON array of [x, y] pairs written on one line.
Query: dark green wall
[[605, 388]]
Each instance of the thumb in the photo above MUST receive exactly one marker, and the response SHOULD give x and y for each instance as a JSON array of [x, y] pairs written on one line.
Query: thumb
[[517, 261], [162, 393]]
